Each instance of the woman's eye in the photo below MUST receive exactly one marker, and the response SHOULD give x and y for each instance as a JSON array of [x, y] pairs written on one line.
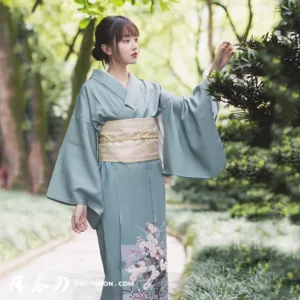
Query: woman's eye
[[128, 40]]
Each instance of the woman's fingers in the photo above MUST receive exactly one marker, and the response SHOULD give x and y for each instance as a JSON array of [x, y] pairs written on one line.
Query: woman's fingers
[[83, 223], [224, 53], [79, 223], [79, 218], [74, 225], [225, 45], [225, 42], [230, 50]]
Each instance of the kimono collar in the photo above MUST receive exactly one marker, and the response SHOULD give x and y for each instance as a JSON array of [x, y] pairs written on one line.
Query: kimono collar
[[129, 94]]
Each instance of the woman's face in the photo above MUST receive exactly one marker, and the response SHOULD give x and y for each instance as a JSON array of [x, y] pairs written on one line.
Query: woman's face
[[127, 47]]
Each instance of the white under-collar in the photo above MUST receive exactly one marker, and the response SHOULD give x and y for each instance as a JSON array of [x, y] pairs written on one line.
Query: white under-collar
[[109, 74]]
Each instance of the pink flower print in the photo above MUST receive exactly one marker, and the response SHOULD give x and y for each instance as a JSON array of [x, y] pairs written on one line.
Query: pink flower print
[[152, 268], [153, 253], [149, 281], [150, 237], [154, 274], [146, 285], [142, 245], [160, 251], [133, 278], [135, 271], [152, 248], [149, 267], [152, 228], [142, 267], [142, 263], [163, 265], [150, 245]]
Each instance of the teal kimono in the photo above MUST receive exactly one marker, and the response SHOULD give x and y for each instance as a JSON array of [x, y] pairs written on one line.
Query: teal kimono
[[126, 201]]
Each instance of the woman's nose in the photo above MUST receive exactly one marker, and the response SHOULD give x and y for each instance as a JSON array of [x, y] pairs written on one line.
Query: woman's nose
[[135, 44]]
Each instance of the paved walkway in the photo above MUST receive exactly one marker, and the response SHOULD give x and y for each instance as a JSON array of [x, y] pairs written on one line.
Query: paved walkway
[[65, 267]]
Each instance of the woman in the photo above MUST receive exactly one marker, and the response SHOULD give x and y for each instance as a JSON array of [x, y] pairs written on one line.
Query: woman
[[124, 136]]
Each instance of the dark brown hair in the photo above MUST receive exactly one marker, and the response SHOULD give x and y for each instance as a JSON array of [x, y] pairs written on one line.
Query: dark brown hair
[[110, 31]]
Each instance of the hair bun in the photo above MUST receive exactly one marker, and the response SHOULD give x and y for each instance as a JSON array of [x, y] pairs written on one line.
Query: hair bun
[[97, 54]]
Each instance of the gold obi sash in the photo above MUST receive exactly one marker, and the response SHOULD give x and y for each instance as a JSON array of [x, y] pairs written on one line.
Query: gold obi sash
[[129, 140]]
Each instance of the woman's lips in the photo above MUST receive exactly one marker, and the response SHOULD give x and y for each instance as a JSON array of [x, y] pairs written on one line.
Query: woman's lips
[[134, 54]]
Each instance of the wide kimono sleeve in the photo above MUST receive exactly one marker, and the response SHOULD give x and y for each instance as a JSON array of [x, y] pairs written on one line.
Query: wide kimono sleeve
[[191, 145], [76, 176]]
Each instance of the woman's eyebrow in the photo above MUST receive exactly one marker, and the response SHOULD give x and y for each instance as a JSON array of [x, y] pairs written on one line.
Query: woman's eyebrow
[[129, 35]]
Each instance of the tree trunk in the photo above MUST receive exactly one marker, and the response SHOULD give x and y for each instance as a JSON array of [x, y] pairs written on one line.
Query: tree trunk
[[9, 129], [35, 113]]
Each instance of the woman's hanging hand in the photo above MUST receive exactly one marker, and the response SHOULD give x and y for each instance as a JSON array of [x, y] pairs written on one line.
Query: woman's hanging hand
[[79, 218], [169, 180], [224, 52]]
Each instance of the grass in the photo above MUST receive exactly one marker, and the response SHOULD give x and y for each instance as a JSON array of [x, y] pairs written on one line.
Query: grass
[[30, 221], [236, 258]]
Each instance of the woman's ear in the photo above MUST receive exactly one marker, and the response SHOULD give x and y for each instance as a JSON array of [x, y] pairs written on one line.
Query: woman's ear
[[106, 49]]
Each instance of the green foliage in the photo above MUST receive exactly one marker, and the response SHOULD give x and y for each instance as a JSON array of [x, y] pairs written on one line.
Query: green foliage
[[290, 14], [98, 9], [246, 94], [237, 259], [241, 272], [288, 149], [30, 222], [257, 182], [261, 139], [6, 2], [263, 78], [233, 129], [263, 81]]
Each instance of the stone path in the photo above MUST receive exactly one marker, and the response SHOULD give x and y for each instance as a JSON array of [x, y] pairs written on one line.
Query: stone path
[[59, 274]]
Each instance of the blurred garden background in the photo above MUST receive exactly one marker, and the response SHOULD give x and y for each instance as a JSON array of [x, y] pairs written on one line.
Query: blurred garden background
[[241, 230]]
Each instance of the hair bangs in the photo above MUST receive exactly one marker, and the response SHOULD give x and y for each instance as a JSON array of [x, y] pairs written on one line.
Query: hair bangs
[[125, 28], [130, 30]]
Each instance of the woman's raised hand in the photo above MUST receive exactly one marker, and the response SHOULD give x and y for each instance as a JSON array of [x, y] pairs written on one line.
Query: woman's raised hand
[[79, 218], [224, 52]]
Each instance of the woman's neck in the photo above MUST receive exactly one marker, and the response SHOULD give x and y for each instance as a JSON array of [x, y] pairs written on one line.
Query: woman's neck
[[121, 74]]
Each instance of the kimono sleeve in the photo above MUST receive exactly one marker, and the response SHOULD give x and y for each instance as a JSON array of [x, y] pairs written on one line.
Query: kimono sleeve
[[76, 176], [191, 144]]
